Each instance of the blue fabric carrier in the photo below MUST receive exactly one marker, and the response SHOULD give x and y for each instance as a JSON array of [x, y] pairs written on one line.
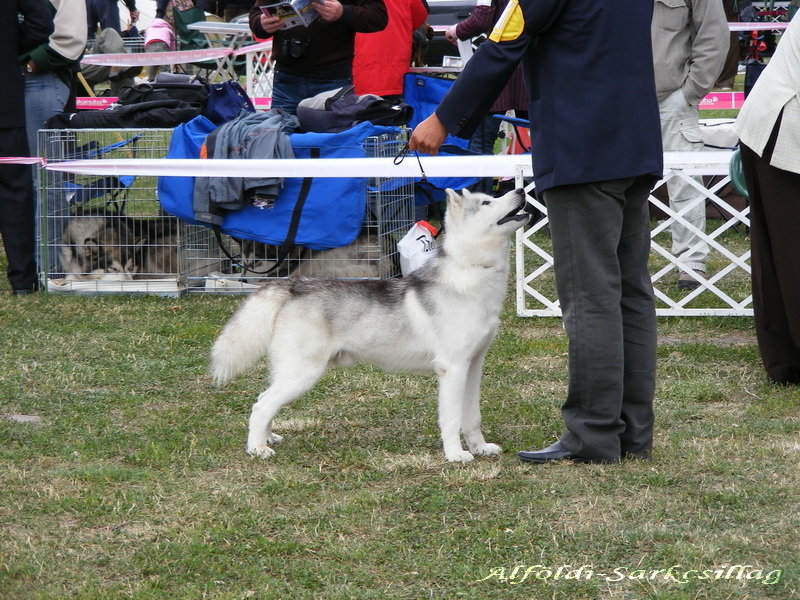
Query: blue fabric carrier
[[332, 215], [423, 94]]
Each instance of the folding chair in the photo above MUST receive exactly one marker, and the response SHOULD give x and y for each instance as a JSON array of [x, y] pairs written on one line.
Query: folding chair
[[116, 187]]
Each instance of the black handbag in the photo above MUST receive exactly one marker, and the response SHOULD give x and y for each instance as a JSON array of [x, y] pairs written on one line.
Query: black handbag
[[225, 101], [195, 92]]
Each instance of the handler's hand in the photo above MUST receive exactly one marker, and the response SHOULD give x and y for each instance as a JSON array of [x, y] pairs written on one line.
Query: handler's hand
[[428, 136], [271, 24], [330, 10]]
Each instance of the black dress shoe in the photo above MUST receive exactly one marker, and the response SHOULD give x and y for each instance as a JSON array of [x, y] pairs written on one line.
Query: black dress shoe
[[558, 452]]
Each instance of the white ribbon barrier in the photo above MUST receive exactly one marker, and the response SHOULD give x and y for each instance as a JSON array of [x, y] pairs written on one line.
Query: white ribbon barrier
[[498, 165], [152, 59], [440, 166], [20, 160]]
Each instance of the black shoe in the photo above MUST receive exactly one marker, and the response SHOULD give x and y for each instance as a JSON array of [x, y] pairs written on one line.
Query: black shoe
[[558, 452], [687, 282], [24, 291]]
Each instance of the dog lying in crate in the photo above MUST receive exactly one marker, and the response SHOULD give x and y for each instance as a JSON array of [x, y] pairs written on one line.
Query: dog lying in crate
[[118, 248], [369, 256]]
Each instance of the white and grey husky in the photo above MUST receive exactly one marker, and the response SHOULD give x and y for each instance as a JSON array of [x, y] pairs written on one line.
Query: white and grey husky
[[441, 318]]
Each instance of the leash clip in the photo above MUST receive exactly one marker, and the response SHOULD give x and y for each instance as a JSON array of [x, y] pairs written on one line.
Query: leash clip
[[401, 155]]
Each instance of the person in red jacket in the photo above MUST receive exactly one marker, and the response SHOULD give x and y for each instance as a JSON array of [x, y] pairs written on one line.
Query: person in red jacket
[[382, 58]]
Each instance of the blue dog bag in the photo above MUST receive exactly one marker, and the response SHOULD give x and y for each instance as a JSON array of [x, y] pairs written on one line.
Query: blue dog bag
[[423, 94], [333, 211]]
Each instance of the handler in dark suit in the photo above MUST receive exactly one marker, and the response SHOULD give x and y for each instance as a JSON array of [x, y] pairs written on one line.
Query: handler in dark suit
[[16, 181], [596, 146]]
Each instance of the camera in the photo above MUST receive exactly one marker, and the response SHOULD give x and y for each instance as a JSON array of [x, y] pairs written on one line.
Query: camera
[[294, 47]]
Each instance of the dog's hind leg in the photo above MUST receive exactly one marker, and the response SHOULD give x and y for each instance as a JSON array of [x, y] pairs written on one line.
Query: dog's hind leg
[[452, 381], [285, 388], [471, 419]]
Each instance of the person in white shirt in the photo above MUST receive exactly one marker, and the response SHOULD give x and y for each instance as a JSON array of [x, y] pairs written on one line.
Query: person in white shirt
[[768, 126]]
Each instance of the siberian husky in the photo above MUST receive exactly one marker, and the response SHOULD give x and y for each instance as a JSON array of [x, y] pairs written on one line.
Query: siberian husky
[[94, 247], [118, 248], [363, 258], [441, 318]]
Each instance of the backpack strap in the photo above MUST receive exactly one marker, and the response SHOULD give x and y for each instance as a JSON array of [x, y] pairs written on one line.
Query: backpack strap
[[294, 225], [343, 91]]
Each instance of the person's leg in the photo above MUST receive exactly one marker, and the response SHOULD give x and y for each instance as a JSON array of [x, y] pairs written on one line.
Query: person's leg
[[287, 91], [17, 212], [588, 226], [109, 17], [680, 131], [156, 46], [93, 16], [639, 322], [45, 96], [774, 212], [108, 41]]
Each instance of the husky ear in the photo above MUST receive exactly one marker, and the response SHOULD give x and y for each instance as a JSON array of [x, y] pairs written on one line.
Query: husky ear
[[455, 207]]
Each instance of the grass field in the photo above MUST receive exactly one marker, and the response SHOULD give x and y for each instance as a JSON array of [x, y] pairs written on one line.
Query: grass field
[[128, 477]]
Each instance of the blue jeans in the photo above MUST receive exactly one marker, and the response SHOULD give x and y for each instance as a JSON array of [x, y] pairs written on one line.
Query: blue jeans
[[45, 96], [288, 90]]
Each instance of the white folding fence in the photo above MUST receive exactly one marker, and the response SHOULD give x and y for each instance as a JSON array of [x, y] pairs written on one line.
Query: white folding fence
[[725, 290]]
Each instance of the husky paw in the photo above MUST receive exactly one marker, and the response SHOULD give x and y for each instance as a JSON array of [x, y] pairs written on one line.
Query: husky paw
[[488, 450], [274, 438], [261, 452], [461, 456]]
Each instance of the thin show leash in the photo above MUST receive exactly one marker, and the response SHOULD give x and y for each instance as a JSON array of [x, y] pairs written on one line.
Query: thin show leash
[[424, 185]]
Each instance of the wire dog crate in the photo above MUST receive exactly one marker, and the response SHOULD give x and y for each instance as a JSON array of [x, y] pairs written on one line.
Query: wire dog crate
[[373, 255], [108, 234]]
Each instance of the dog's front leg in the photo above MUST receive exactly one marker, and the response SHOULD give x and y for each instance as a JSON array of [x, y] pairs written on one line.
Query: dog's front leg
[[471, 425], [452, 382]]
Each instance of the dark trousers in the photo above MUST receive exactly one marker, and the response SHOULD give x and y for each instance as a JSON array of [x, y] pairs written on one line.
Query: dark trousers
[[17, 211], [102, 13], [601, 248], [731, 67], [774, 215]]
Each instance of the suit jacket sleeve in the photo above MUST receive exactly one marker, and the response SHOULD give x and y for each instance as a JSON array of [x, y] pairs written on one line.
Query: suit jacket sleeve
[[490, 68], [465, 105]]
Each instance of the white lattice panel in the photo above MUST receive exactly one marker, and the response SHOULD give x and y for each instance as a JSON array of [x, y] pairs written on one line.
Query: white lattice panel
[[724, 291], [259, 76]]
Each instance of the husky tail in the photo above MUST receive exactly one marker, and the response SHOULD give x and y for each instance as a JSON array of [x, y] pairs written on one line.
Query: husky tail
[[247, 335]]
